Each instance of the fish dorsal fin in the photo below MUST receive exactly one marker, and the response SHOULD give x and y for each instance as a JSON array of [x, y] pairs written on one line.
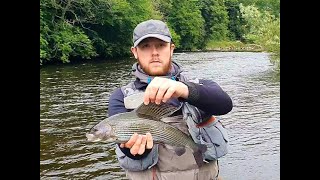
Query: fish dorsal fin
[[154, 111]]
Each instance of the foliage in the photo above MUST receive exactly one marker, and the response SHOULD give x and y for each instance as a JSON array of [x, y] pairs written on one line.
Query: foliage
[[264, 29], [186, 20], [215, 15], [71, 41], [86, 29], [272, 6], [165, 7], [236, 21], [59, 37]]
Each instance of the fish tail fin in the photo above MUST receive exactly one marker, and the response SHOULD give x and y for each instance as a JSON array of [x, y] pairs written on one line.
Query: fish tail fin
[[198, 154]]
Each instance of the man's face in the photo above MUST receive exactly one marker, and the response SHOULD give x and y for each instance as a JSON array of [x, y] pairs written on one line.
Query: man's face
[[154, 56]]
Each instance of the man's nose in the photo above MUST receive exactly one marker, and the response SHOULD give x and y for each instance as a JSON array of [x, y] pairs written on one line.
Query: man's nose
[[154, 50]]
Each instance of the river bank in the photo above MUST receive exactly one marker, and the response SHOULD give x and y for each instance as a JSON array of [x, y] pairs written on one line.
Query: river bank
[[214, 46], [233, 46]]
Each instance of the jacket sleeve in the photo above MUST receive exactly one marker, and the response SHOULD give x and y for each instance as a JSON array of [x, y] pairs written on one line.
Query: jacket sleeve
[[148, 161], [116, 104], [209, 97], [126, 160]]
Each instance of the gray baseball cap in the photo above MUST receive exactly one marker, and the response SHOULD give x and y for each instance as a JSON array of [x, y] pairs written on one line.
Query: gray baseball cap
[[151, 28]]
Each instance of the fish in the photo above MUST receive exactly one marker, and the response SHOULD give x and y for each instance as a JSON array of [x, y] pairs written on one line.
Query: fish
[[147, 118]]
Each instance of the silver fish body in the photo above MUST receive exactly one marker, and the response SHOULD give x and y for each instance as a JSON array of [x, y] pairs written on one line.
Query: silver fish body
[[146, 118], [126, 124]]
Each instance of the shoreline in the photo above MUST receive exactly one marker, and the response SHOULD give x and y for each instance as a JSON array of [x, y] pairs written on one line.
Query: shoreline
[[222, 46]]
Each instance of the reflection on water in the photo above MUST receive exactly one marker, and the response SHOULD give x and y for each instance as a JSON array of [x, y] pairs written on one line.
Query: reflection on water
[[75, 97]]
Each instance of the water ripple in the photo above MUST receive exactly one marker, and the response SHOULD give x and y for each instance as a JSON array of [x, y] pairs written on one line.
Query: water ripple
[[75, 97]]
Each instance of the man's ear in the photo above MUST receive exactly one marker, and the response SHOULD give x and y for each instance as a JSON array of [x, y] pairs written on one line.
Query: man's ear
[[172, 46], [134, 52]]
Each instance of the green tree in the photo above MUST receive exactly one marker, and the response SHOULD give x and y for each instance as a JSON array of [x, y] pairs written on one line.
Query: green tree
[[60, 39], [236, 21], [264, 29], [86, 29], [164, 7], [70, 41], [187, 22], [216, 19], [272, 6]]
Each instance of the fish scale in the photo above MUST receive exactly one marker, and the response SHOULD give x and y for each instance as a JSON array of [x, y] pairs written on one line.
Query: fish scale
[[161, 132], [144, 119]]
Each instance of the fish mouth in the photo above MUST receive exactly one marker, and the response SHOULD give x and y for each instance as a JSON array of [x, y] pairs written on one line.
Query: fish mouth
[[92, 138]]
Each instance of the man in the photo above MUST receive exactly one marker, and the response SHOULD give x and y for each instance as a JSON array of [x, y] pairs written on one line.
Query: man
[[161, 81]]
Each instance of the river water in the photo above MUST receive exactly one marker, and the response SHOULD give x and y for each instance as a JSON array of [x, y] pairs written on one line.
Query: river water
[[75, 97]]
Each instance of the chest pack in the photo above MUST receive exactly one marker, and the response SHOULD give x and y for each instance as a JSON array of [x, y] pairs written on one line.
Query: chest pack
[[209, 131]]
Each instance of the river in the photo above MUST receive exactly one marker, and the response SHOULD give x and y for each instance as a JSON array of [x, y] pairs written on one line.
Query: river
[[75, 97]]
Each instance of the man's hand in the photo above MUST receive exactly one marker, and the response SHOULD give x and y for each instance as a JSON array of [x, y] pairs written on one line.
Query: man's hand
[[162, 89], [138, 143]]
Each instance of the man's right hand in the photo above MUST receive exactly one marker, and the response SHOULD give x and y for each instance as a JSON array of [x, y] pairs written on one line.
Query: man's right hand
[[138, 143]]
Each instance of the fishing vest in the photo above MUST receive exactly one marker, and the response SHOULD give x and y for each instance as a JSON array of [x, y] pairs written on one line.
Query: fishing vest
[[166, 164]]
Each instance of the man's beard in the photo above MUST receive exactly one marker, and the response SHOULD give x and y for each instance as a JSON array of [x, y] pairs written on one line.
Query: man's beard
[[165, 69]]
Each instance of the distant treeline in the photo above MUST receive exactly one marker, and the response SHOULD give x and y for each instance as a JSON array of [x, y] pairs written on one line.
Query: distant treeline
[[87, 29]]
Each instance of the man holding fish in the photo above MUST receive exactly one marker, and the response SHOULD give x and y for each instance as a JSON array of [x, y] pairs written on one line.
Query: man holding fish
[[165, 124]]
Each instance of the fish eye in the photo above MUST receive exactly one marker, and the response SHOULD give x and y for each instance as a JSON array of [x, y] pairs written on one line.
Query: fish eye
[[93, 130]]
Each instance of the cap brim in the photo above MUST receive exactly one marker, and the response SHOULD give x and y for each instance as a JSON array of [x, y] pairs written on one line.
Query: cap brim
[[158, 36]]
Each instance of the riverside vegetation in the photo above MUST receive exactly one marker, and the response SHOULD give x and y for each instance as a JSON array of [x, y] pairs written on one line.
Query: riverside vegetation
[[73, 30]]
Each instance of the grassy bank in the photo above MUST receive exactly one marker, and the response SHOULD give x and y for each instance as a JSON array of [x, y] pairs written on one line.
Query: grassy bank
[[237, 46], [233, 46]]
